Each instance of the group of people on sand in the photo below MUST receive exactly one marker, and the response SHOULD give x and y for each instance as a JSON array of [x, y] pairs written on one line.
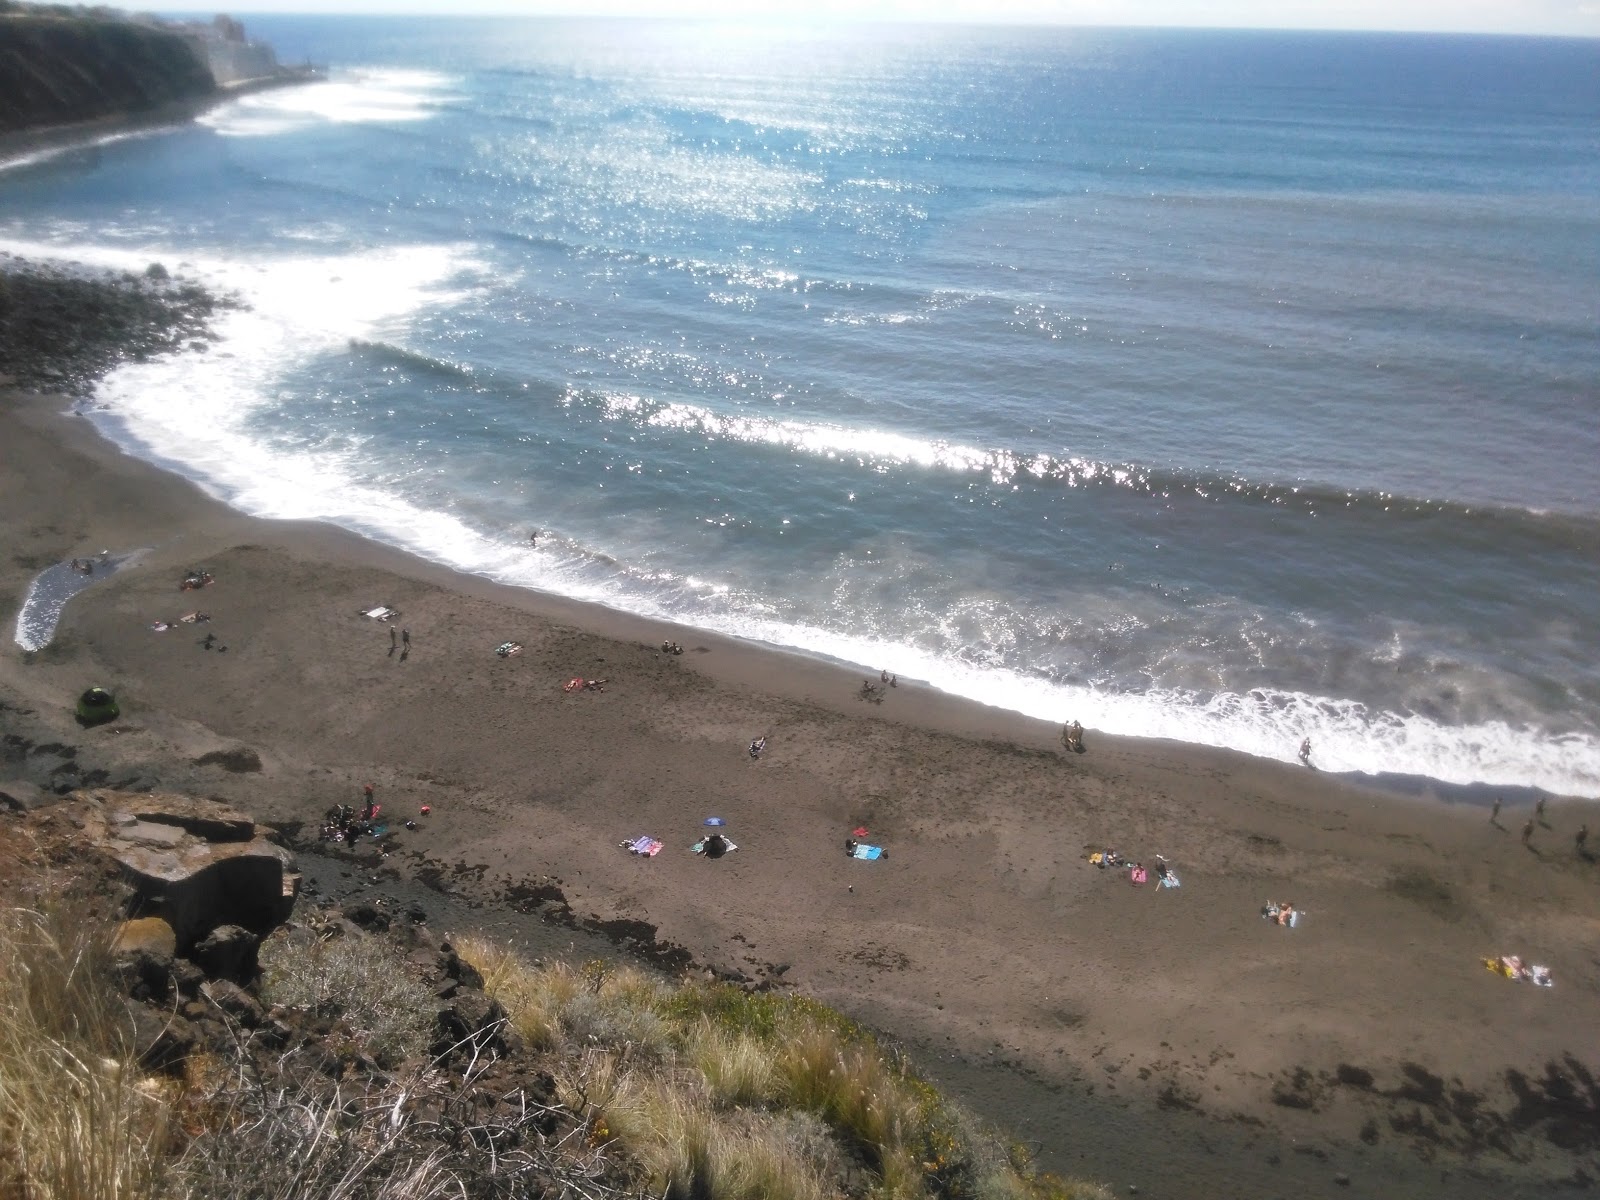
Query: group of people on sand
[[1580, 839], [1072, 736], [83, 566], [343, 823], [670, 647]]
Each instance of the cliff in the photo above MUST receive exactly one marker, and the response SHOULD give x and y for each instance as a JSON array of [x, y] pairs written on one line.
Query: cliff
[[68, 70]]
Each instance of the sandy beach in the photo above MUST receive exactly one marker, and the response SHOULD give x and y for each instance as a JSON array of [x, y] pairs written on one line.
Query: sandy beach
[[1167, 1038]]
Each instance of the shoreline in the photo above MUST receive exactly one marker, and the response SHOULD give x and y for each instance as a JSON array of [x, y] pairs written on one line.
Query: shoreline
[[1400, 786], [1166, 1035]]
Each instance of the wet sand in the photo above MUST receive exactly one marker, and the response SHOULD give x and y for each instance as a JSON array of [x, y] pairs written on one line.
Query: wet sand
[[1170, 1039]]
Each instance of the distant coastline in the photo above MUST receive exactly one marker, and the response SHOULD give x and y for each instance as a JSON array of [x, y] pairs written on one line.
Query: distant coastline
[[75, 76]]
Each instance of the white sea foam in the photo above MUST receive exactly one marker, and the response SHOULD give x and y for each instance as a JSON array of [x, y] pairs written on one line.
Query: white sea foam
[[1346, 736], [356, 97], [194, 412]]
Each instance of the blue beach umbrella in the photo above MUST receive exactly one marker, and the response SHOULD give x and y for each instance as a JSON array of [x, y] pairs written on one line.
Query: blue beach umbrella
[[715, 821]]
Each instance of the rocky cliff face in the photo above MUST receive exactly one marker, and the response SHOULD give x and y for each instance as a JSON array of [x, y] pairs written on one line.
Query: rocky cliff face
[[62, 70]]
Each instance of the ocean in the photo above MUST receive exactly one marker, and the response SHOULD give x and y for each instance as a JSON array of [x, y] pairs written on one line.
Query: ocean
[[1229, 387]]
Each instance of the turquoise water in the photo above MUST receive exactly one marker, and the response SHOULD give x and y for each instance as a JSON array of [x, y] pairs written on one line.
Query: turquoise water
[[1228, 387]]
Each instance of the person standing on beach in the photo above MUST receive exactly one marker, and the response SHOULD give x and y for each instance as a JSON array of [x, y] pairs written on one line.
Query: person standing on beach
[[1538, 810], [1494, 813], [1581, 838], [1305, 752], [1527, 833], [405, 638], [392, 636]]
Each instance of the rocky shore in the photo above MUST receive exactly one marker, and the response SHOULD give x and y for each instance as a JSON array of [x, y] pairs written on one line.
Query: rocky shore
[[62, 327]]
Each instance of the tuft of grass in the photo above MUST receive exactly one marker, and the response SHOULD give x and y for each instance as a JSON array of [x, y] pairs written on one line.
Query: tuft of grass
[[723, 1094], [364, 980], [75, 1121], [739, 1070]]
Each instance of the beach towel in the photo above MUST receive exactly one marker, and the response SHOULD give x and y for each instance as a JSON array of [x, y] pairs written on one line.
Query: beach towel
[[1171, 880], [160, 626], [700, 847], [1511, 967], [572, 685], [381, 613], [869, 852], [507, 649], [647, 847], [1138, 876]]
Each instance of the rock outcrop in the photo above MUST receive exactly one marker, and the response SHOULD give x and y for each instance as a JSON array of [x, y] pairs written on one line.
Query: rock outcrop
[[200, 867], [66, 70]]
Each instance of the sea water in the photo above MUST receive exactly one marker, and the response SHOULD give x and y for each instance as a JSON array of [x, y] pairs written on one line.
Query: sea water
[[1228, 387]]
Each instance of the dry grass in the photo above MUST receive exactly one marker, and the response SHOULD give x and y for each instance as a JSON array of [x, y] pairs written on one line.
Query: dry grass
[[75, 1122], [706, 1086], [364, 980]]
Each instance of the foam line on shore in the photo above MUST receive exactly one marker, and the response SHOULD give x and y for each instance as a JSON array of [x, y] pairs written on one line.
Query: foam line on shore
[[193, 414]]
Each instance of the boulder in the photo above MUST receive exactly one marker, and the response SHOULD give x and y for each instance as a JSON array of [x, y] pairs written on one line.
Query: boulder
[[198, 864], [208, 820], [228, 952], [235, 1001], [469, 1018], [142, 955], [366, 916], [162, 1040]]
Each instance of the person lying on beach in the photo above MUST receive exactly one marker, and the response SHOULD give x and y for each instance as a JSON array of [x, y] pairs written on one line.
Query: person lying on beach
[[757, 746], [1280, 911], [594, 685]]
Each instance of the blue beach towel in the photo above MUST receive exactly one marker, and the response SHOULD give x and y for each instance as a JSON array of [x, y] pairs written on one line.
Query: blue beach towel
[[869, 852]]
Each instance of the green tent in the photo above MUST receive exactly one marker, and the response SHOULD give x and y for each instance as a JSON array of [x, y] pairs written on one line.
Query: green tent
[[97, 706]]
